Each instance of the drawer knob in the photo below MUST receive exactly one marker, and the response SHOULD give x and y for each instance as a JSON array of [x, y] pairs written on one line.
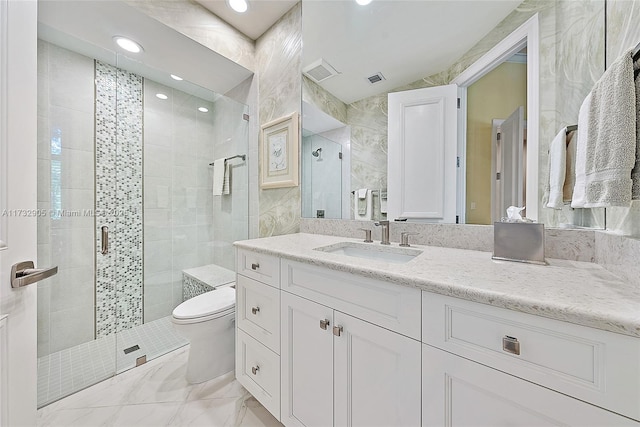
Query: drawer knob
[[255, 266], [255, 369], [324, 324], [255, 310], [337, 330], [511, 345]]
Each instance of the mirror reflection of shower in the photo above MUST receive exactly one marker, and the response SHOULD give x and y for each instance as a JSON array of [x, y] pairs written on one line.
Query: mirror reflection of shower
[[317, 153]]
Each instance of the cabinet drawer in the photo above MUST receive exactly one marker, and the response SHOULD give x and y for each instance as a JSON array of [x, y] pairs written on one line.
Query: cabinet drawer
[[258, 370], [382, 303], [261, 267], [457, 392], [596, 366], [258, 311]]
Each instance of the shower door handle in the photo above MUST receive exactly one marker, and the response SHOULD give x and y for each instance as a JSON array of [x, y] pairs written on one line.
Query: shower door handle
[[105, 240]]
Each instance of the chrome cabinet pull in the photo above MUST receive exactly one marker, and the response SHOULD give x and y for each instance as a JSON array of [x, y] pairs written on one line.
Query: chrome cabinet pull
[[24, 273], [255, 369], [255, 266], [324, 324], [511, 345], [255, 310], [105, 239], [337, 330]]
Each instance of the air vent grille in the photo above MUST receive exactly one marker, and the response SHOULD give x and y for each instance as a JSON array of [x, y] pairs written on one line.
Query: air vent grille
[[320, 70], [378, 77]]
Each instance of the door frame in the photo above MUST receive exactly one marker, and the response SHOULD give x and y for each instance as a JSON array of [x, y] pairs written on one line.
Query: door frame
[[527, 34]]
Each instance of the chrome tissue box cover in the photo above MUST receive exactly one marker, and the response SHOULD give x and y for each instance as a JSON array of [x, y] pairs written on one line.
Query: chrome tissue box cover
[[518, 241]]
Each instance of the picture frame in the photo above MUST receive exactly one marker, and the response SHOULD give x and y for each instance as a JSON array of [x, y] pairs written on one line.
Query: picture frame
[[279, 142]]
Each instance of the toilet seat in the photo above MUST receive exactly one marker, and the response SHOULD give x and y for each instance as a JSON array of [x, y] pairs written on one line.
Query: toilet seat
[[207, 306]]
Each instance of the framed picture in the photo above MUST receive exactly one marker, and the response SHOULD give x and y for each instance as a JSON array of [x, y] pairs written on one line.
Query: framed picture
[[279, 153]]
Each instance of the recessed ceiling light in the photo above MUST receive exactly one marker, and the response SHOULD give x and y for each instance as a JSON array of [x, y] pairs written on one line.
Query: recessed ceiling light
[[128, 44], [203, 109], [239, 6], [363, 2], [174, 77], [161, 96]]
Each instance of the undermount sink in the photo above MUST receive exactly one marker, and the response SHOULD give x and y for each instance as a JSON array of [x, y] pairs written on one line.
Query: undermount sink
[[372, 251]]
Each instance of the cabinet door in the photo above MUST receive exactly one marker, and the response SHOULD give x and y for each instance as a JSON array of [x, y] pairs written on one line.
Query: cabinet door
[[459, 392], [306, 362], [377, 375]]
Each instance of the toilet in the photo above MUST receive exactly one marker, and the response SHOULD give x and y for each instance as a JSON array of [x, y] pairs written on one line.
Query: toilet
[[208, 321]]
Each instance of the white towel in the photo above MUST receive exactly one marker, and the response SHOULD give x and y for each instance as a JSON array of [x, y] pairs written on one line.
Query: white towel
[[361, 201], [611, 143], [635, 173], [579, 189], [557, 169], [226, 186], [570, 174], [219, 171], [368, 202]]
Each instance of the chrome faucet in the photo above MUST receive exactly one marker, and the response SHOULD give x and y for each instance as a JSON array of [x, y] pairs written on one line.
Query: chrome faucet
[[385, 232]]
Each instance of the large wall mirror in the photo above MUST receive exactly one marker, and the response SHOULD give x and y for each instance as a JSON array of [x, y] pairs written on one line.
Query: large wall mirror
[[355, 55]]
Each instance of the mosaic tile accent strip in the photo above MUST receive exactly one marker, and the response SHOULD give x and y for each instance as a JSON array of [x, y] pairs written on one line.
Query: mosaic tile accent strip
[[193, 287], [119, 273]]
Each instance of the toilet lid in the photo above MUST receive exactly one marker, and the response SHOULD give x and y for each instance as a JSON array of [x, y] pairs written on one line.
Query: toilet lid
[[206, 304]]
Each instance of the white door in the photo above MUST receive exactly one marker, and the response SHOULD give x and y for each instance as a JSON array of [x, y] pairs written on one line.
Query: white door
[[459, 392], [306, 362], [376, 375], [422, 146], [511, 163], [18, 134]]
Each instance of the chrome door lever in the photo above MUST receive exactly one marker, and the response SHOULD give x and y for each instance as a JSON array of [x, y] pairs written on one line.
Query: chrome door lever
[[23, 274]]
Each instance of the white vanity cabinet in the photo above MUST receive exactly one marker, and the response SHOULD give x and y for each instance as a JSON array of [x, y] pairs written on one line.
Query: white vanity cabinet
[[487, 366], [343, 371], [258, 327]]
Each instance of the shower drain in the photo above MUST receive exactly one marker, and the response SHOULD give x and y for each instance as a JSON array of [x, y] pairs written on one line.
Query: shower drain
[[131, 349]]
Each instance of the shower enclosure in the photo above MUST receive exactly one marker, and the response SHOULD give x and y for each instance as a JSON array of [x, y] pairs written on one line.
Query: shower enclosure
[[127, 212]]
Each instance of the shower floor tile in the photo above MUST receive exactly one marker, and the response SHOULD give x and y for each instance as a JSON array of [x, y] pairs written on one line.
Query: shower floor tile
[[67, 371], [155, 394]]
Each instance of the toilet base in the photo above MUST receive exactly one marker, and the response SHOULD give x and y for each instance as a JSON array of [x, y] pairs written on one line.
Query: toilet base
[[212, 349]]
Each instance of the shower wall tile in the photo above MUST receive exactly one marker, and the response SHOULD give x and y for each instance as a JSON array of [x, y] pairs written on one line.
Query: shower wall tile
[[70, 327], [119, 198], [279, 68], [71, 79]]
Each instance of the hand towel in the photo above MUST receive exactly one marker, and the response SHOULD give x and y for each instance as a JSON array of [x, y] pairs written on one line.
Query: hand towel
[[226, 185], [611, 143], [383, 201], [361, 201], [570, 169], [368, 203], [557, 169], [579, 189], [635, 173], [219, 167]]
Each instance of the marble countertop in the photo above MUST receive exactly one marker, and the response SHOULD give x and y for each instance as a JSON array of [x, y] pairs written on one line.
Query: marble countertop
[[578, 292]]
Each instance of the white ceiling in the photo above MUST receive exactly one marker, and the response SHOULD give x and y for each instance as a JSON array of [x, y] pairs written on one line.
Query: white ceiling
[[404, 40], [260, 16], [87, 27]]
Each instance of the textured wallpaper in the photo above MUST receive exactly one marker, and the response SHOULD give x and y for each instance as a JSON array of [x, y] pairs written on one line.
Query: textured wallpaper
[[279, 68]]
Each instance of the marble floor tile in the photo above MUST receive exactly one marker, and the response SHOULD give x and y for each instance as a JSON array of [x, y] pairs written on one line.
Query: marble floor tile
[[157, 394]]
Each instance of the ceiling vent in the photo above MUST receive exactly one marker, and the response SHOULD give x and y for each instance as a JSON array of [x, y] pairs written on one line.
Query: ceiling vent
[[320, 70], [378, 77]]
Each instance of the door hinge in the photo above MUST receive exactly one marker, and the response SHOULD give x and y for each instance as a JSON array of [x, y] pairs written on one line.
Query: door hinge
[[245, 117], [458, 102], [498, 175], [498, 136], [458, 161], [457, 219], [340, 155]]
